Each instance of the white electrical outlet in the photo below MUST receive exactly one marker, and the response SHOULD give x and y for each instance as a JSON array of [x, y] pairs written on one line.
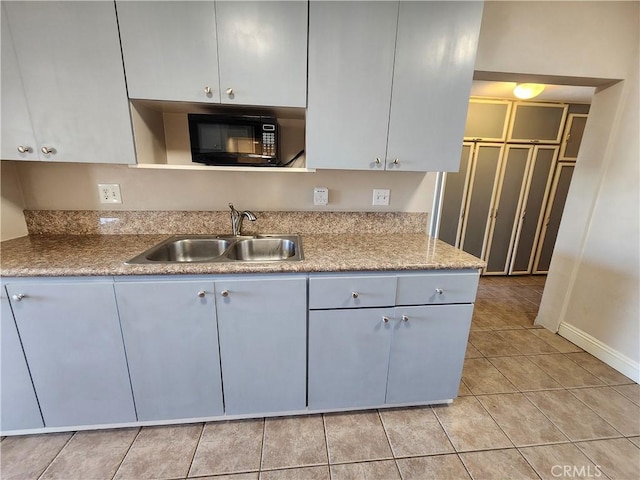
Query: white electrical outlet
[[109, 193], [320, 195], [381, 196]]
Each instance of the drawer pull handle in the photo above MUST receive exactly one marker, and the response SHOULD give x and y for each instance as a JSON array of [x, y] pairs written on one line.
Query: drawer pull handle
[[439, 291], [201, 293], [405, 318], [385, 319], [18, 297], [224, 293], [355, 294]]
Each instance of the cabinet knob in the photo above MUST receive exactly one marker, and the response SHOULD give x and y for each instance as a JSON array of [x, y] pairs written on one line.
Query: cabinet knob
[[385, 319], [207, 90], [18, 297], [378, 161], [439, 291], [355, 294], [396, 161], [201, 293], [229, 91], [24, 149], [224, 293], [46, 150], [405, 318]]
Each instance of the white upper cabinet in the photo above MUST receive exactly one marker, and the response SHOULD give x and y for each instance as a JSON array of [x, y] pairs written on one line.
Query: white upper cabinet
[[351, 49], [18, 140], [262, 52], [433, 70], [169, 50], [389, 83], [245, 53], [69, 60]]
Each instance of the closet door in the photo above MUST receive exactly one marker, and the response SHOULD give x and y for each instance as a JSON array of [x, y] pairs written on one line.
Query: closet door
[[561, 182], [573, 136], [479, 205], [487, 120], [453, 199], [513, 176], [537, 122], [531, 217]]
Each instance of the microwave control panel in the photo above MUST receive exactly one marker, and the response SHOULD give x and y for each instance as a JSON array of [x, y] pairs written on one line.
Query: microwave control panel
[[269, 140]]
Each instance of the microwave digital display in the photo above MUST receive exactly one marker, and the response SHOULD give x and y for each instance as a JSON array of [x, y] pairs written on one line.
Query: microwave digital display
[[250, 140]]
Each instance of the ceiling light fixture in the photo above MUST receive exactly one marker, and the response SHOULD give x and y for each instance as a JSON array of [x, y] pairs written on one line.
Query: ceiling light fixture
[[525, 91]]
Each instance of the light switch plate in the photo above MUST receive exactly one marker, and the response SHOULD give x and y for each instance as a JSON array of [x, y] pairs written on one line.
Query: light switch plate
[[381, 196], [320, 195]]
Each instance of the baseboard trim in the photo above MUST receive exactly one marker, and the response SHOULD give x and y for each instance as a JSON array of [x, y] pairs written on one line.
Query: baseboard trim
[[595, 347]]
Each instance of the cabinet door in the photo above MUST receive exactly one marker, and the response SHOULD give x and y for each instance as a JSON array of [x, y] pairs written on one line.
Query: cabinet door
[[351, 49], [170, 50], [573, 136], [537, 122], [262, 52], [479, 207], [553, 215], [453, 199], [72, 341], [348, 357], [427, 352], [487, 120], [18, 405], [71, 68], [433, 70], [171, 339], [508, 203], [531, 218], [18, 139], [263, 337]]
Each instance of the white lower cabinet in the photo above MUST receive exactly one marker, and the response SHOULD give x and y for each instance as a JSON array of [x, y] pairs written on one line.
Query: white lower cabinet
[[73, 346], [348, 357], [263, 337], [171, 339], [368, 357], [427, 353], [18, 404], [103, 351]]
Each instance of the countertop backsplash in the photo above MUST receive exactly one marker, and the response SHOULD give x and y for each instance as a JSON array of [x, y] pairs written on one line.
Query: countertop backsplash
[[98, 222]]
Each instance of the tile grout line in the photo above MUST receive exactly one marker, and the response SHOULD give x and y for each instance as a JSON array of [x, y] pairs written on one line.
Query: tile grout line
[[195, 450], [326, 442], [126, 453], [56, 455], [393, 453]]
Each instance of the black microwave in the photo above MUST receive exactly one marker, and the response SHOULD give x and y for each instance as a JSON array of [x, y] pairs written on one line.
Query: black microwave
[[249, 140]]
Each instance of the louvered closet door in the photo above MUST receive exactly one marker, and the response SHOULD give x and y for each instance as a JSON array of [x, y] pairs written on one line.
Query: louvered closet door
[[513, 176], [484, 176], [453, 199], [531, 217], [553, 215]]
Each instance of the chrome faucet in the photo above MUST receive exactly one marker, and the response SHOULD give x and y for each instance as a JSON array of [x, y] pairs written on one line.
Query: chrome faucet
[[237, 218]]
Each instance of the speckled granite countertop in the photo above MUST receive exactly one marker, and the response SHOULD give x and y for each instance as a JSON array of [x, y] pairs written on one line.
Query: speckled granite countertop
[[87, 255]]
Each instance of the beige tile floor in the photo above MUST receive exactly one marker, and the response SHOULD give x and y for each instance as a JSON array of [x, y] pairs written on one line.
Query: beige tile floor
[[531, 405]]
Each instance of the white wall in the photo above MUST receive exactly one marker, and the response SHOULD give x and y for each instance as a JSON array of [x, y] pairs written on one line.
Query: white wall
[[593, 282], [12, 224], [74, 187]]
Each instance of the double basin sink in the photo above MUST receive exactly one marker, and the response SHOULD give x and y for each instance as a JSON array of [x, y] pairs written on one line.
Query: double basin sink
[[223, 248]]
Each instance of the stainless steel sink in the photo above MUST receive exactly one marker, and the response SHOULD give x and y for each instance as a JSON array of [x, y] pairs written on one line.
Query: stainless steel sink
[[222, 248], [189, 250], [262, 250]]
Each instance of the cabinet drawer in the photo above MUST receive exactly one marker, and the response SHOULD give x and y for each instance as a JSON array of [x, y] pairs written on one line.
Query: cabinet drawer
[[353, 291], [437, 287]]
